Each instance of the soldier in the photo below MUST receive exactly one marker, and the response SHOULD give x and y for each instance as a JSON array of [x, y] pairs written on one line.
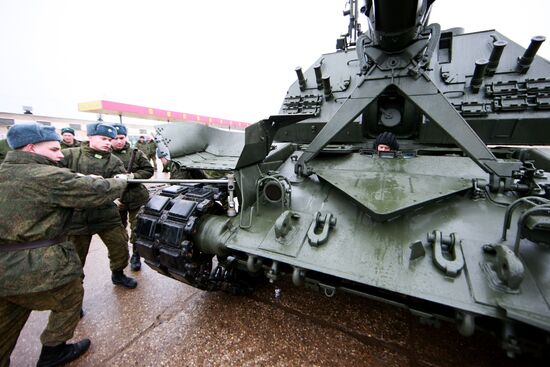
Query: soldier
[[94, 157], [152, 152], [39, 267], [135, 195], [386, 142], [68, 141], [141, 144], [4, 148], [175, 170]]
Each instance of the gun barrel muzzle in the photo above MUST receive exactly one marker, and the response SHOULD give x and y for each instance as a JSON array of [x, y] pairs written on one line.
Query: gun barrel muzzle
[[525, 61], [318, 76], [479, 73], [494, 59], [301, 79], [327, 87]]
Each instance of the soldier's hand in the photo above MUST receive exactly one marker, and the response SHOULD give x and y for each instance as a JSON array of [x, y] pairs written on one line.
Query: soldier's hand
[[92, 176], [122, 177]]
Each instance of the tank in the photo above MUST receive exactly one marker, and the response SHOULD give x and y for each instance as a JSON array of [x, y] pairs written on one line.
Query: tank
[[409, 166]]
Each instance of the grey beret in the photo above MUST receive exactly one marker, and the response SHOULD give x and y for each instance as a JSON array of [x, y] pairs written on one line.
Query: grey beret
[[20, 135], [99, 128]]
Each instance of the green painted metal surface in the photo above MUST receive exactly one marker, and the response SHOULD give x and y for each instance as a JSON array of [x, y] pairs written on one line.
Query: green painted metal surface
[[318, 204]]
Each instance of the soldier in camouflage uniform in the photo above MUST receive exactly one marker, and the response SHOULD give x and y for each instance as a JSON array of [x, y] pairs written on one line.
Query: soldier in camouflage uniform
[[4, 149], [152, 152], [94, 157], [141, 144], [68, 141], [39, 267], [181, 173], [176, 172], [149, 148], [135, 195]]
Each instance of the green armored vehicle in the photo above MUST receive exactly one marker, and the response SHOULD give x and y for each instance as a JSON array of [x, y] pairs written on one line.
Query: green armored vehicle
[[400, 167]]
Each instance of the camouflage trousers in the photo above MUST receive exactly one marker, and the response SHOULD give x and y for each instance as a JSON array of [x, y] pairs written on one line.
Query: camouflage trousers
[[131, 215], [116, 240], [64, 302]]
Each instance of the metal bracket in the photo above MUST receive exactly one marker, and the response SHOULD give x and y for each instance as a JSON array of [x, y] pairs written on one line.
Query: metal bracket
[[417, 250], [319, 229], [504, 270], [443, 248], [282, 224], [509, 267]]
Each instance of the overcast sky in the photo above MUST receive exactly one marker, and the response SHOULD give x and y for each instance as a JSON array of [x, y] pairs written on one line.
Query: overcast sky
[[229, 59]]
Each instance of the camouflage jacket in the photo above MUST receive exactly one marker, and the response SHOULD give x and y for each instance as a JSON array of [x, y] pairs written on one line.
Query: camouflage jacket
[[151, 149], [4, 149], [136, 194], [36, 203], [178, 173], [143, 147], [64, 145], [92, 162]]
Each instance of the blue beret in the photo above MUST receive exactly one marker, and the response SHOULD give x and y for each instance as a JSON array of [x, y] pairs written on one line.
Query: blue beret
[[67, 130], [20, 135], [120, 129], [99, 128]]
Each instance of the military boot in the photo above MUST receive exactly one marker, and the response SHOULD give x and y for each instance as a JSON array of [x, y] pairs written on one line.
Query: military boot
[[62, 353], [119, 278], [135, 262]]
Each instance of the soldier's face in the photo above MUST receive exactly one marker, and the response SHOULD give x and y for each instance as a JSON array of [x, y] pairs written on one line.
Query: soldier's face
[[100, 142], [68, 138], [383, 148], [49, 149], [119, 142]]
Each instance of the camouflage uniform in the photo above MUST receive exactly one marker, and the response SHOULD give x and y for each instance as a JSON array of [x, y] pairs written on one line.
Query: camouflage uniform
[[64, 145], [135, 195], [176, 172], [36, 203], [105, 220], [4, 149], [152, 152], [143, 147]]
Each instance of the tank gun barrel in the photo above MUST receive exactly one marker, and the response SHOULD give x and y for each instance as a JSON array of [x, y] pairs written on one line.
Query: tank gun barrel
[[395, 30]]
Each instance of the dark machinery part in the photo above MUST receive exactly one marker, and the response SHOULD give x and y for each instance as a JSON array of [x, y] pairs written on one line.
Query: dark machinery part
[[165, 229]]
